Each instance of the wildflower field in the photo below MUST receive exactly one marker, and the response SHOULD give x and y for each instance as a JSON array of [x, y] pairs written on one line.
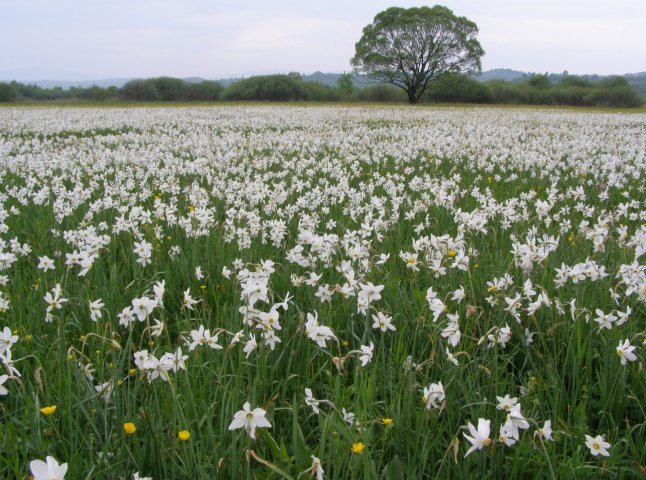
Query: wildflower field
[[328, 292]]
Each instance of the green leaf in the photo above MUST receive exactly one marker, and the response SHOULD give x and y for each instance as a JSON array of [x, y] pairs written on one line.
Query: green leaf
[[394, 470]]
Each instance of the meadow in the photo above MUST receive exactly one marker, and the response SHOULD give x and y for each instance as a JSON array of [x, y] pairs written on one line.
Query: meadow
[[296, 292]]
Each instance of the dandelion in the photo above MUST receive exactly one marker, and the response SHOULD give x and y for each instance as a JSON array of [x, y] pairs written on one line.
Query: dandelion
[[129, 428], [49, 410], [358, 448]]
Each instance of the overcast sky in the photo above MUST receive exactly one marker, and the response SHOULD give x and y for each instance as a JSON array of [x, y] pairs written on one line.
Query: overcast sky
[[88, 39]]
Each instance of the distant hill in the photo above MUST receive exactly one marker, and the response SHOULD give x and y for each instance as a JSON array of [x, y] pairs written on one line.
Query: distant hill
[[502, 74]]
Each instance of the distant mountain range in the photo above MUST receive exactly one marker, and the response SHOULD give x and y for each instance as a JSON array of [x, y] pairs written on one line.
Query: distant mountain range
[[637, 80]]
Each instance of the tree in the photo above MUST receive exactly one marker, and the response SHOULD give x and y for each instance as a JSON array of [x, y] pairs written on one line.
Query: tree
[[411, 48], [344, 84]]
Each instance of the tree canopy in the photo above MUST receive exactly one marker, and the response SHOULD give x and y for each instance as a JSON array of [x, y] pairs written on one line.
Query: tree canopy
[[412, 47]]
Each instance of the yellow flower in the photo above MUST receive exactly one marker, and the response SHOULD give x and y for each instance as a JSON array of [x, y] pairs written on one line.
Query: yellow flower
[[358, 448], [129, 428], [452, 253], [387, 421], [345, 343], [48, 410], [27, 338], [184, 435]]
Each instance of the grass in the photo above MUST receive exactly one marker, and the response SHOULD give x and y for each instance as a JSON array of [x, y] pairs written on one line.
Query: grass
[[569, 374]]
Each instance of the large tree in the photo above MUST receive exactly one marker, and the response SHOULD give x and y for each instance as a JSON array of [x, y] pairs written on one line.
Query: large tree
[[412, 47]]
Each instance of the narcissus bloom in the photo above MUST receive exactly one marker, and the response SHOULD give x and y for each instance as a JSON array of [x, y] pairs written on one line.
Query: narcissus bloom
[[250, 420], [625, 352], [480, 437], [47, 471], [597, 445]]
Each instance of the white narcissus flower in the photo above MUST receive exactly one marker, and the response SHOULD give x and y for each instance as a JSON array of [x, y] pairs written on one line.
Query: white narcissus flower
[[479, 438], [597, 445], [143, 307], [546, 431], [3, 379], [7, 338], [250, 420], [198, 273], [383, 322], [45, 263], [95, 309], [366, 354], [625, 351], [50, 470], [432, 394], [311, 401], [317, 468], [188, 301]]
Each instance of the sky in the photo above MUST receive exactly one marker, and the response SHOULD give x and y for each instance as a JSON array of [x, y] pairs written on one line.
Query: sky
[[92, 40]]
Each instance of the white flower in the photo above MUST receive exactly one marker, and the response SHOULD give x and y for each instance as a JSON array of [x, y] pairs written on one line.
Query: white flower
[[135, 476], [143, 307], [515, 421], [458, 295], [382, 322], [198, 273], [7, 338], [604, 320], [250, 420], [506, 403], [452, 331], [226, 273], [188, 301], [95, 309], [479, 438], [507, 436], [47, 471], [316, 468], [625, 351], [45, 263], [311, 401], [366, 354], [157, 329], [546, 431], [432, 394], [3, 379], [250, 346], [597, 445]]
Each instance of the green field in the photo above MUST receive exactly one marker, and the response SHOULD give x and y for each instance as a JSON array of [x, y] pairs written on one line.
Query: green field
[[504, 247]]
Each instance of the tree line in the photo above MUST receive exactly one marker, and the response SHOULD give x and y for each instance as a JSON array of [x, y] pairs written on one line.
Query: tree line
[[447, 88]]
